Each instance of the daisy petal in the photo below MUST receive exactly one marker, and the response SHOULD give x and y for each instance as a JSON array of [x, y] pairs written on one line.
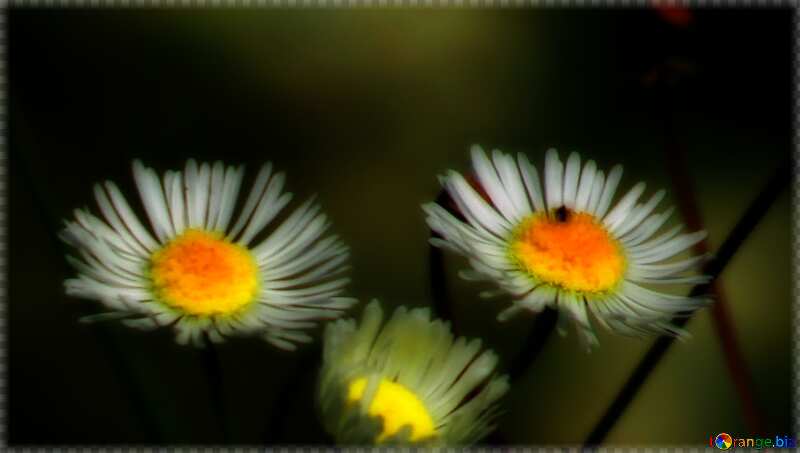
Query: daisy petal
[[572, 171], [194, 279], [553, 176]]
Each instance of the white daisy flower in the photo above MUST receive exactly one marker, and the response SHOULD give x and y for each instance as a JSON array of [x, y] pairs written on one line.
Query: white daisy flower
[[196, 272], [566, 246], [406, 382]]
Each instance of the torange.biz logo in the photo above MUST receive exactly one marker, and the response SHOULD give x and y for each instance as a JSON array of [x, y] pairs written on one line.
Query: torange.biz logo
[[725, 441]]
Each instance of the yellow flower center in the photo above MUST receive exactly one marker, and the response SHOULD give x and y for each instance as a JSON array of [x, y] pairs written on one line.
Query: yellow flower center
[[397, 406], [204, 274], [571, 250]]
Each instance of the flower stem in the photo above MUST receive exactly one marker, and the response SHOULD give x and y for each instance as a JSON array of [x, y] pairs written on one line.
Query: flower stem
[[543, 326], [305, 366], [441, 301], [747, 222], [20, 170], [541, 330], [721, 318], [215, 387]]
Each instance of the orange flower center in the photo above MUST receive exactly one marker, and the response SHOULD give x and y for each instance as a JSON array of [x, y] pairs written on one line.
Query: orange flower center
[[204, 274], [570, 250]]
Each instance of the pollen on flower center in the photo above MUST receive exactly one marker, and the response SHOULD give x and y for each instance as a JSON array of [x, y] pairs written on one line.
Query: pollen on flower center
[[202, 273], [397, 406], [571, 250]]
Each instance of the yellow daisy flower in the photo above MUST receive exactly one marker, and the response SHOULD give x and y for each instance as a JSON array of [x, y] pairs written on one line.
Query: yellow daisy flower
[[408, 382], [199, 274], [568, 246]]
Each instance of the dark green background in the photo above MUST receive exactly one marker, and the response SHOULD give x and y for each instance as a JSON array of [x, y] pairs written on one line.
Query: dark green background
[[364, 108]]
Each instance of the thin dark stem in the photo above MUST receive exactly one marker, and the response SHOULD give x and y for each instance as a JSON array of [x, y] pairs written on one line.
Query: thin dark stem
[[748, 221], [734, 360], [540, 332], [122, 370], [275, 432], [537, 337], [441, 302], [215, 387], [754, 213], [109, 345], [721, 318]]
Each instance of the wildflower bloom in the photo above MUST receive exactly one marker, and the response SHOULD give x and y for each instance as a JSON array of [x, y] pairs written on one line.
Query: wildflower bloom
[[563, 245], [199, 274], [408, 382]]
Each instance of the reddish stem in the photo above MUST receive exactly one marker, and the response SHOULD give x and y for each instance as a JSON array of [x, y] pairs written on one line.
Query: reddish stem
[[721, 318]]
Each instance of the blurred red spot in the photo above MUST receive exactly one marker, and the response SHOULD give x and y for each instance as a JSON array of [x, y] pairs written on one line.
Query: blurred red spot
[[448, 203], [676, 15], [476, 184]]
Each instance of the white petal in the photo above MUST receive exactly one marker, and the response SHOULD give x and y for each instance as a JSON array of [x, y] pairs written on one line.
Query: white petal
[[269, 206], [91, 246], [535, 301], [531, 178], [585, 186], [688, 280], [100, 231], [571, 173], [474, 207], [621, 306], [623, 208], [490, 182], [473, 276], [639, 214], [553, 177], [461, 354], [597, 191], [665, 270], [190, 176], [577, 311], [637, 250], [608, 191], [297, 313], [252, 199], [671, 248], [186, 331], [152, 195], [455, 230], [646, 228], [102, 274], [280, 343], [145, 324], [287, 231], [119, 228], [510, 177], [660, 300], [216, 193], [230, 192], [177, 204], [477, 372], [331, 268], [201, 195], [308, 291], [321, 251], [129, 218]]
